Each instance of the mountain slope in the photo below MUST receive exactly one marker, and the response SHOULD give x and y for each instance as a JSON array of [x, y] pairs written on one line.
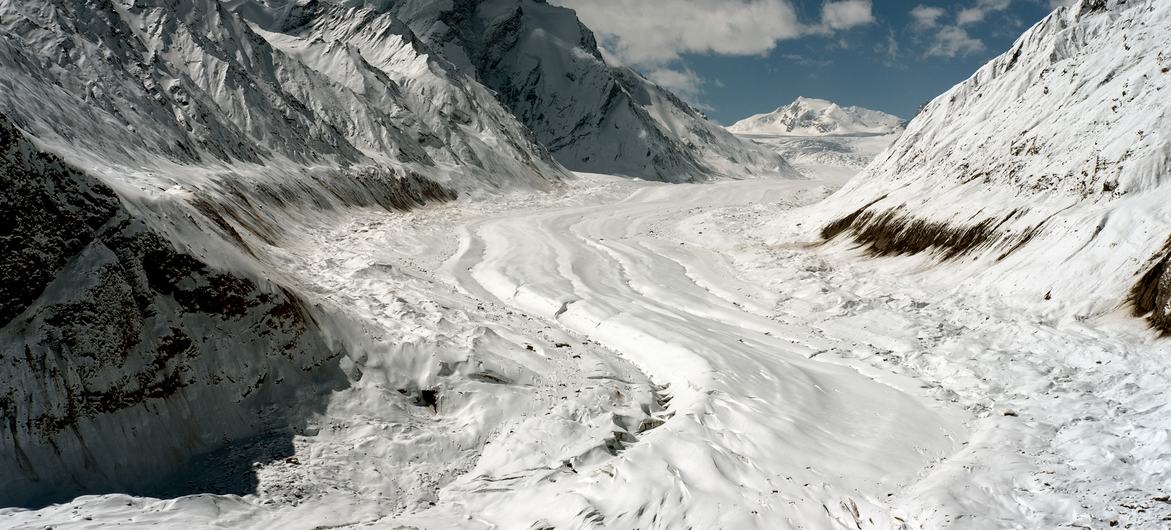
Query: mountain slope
[[1048, 169], [818, 117], [546, 67], [159, 83], [155, 157], [121, 349]]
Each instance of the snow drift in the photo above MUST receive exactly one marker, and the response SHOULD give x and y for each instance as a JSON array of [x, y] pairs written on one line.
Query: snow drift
[[1047, 169]]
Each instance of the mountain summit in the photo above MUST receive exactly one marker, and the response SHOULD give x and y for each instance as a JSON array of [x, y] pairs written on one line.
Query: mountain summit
[[818, 117]]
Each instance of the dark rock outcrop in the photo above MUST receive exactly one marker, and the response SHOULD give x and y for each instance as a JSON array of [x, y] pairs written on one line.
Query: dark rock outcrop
[[121, 356]]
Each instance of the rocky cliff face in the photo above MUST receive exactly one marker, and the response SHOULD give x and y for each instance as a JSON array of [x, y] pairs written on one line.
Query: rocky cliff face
[[1048, 167], [123, 355]]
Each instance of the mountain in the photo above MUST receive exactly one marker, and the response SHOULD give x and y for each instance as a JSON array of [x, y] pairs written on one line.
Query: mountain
[[158, 156], [1045, 175], [818, 117], [822, 139], [154, 156], [159, 83], [545, 66], [121, 346]]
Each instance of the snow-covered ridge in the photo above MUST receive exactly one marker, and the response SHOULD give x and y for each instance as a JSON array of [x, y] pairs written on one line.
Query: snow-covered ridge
[[1050, 165], [153, 85], [130, 357], [818, 117], [546, 68], [156, 155]]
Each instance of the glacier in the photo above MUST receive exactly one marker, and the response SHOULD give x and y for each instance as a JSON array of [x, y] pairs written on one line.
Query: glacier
[[438, 264]]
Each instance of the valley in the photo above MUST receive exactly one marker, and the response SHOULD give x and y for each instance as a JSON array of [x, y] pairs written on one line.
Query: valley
[[418, 264], [688, 347]]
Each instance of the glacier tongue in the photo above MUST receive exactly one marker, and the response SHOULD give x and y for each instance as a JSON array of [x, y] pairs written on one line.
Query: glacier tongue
[[236, 290]]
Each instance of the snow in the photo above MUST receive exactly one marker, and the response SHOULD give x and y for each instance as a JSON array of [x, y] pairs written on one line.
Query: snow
[[546, 67], [628, 354], [590, 350], [999, 148], [841, 156], [819, 117]]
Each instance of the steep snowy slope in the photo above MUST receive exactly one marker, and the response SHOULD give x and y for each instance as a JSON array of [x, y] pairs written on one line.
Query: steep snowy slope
[[546, 67], [818, 117], [155, 155], [1049, 168], [122, 353], [162, 83]]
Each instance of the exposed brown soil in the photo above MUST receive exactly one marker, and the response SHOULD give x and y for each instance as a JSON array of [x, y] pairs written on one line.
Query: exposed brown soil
[[895, 232], [1151, 295]]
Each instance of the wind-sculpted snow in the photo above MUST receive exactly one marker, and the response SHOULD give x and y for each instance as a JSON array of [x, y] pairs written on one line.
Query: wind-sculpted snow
[[1059, 149]]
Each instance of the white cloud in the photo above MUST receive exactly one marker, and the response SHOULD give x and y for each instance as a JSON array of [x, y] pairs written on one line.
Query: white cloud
[[890, 50], [951, 41], [684, 83], [642, 32], [980, 11], [927, 17], [846, 14]]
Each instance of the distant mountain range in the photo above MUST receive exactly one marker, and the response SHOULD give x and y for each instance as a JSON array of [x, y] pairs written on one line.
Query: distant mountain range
[[818, 117]]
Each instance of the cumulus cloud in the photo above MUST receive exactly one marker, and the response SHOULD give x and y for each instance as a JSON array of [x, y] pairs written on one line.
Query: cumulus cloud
[[642, 32], [949, 36], [951, 41], [652, 36], [683, 82], [927, 17], [980, 11], [846, 14]]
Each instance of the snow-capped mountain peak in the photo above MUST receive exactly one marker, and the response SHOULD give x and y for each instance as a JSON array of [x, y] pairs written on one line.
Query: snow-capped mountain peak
[[819, 117]]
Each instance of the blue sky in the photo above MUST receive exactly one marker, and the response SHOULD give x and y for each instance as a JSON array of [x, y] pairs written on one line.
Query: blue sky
[[734, 58]]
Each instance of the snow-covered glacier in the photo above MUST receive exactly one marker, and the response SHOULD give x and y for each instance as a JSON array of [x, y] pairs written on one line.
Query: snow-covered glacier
[[160, 153], [381, 263]]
